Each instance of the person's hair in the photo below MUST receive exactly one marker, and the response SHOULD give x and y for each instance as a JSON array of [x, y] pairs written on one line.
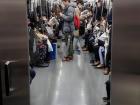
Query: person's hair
[[80, 1], [66, 0], [90, 9]]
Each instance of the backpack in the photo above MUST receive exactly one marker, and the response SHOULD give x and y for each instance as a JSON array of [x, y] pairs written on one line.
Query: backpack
[[76, 21]]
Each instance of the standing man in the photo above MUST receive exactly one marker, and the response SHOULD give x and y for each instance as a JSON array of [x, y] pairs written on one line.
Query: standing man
[[68, 28]]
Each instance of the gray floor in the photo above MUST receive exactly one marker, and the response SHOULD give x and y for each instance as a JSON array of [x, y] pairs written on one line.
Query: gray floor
[[68, 83]]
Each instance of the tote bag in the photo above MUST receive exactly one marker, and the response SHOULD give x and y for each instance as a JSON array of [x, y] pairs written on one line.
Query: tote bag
[[50, 48], [76, 33]]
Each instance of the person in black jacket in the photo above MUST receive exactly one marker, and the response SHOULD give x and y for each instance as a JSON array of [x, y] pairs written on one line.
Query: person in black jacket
[[108, 56], [108, 90]]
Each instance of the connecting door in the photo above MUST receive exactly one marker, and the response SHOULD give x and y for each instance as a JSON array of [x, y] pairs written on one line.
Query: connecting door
[[14, 74]]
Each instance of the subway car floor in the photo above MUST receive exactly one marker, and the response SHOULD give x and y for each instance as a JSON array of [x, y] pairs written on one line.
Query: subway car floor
[[68, 83]]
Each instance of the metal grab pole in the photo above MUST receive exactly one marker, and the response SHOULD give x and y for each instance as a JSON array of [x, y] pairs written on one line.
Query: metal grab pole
[[106, 25], [102, 7], [34, 10], [108, 11], [109, 6], [40, 5], [46, 8], [96, 11]]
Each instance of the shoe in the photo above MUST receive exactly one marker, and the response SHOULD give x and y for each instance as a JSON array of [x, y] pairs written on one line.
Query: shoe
[[100, 66], [106, 99], [110, 73], [65, 59], [96, 63], [70, 57], [106, 71], [91, 61]]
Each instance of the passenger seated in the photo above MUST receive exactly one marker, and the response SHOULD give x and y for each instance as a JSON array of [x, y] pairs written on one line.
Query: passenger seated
[[95, 47], [102, 40]]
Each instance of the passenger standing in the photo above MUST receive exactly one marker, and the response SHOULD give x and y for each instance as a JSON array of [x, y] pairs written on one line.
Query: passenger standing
[[68, 28], [88, 28], [76, 42]]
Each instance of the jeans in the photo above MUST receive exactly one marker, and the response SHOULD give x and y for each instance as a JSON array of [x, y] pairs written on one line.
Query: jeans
[[76, 43], [108, 58], [101, 54]]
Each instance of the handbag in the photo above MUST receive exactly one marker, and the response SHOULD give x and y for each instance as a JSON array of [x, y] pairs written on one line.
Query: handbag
[[50, 48], [76, 33], [49, 31]]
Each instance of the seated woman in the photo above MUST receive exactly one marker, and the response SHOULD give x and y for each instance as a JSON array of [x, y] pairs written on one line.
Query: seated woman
[[102, 40], [95, 47]]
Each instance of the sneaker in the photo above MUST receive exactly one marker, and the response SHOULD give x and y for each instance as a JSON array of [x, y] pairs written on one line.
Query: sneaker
[[96, 63], [70, 57], [65, 59], [100, 66]]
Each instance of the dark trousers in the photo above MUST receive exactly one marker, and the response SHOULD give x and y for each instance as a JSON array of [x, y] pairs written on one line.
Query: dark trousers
[[96, 52], [86, 40], [86, 37], [47, 59], [108, 58], [68, 39], [108, 89], [32, 75], [70, 50]]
